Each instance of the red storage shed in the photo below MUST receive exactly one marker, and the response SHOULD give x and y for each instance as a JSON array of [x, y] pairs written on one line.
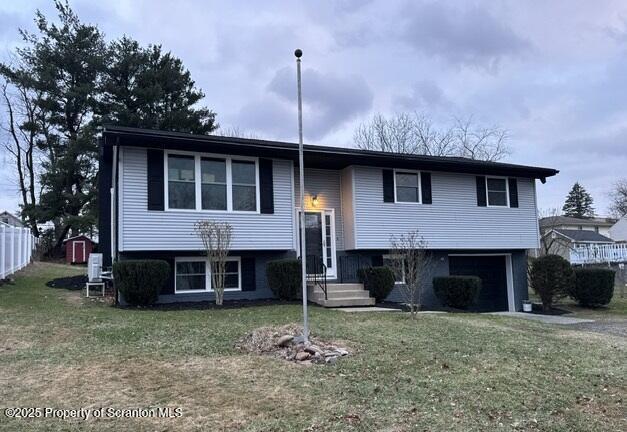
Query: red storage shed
[[78, 248]]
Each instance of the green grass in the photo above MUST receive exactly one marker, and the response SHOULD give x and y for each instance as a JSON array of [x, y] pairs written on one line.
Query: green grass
[[440, 372]]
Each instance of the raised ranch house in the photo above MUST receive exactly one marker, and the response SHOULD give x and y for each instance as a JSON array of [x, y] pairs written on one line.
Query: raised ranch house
[[478, 218]]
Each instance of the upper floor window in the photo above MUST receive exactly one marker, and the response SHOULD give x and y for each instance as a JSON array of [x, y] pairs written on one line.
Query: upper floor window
[[244, 186], [181, 182], [407, 187], [497, 191], [212, 183]]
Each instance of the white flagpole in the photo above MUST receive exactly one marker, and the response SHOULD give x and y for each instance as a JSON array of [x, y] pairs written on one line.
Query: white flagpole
[[301, 176]]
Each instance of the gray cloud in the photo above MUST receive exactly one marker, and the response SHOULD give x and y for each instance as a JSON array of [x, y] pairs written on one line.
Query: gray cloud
[[425, 95], [469, 36], [560, 87], [329, 101]]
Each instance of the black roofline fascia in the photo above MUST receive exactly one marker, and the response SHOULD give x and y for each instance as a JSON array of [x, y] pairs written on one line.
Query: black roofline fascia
[[157, 138]]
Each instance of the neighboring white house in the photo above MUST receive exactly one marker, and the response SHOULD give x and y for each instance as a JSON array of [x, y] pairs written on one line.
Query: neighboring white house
[[599, 225], [618, 231], [10, 219]]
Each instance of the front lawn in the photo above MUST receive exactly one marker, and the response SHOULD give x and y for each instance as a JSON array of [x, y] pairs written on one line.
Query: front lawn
[[440, 372]]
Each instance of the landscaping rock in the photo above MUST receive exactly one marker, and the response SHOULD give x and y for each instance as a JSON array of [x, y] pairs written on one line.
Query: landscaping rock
[[313, 349], [279, 342], [285, 340], [302, 356]]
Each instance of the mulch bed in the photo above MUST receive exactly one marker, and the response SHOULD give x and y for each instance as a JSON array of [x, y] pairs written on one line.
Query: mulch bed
[[72, 283], [210, 304], [536, 309]]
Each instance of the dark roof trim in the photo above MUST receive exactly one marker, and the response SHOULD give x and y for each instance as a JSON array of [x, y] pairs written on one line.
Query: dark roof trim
[[315, 155], [582, 236]]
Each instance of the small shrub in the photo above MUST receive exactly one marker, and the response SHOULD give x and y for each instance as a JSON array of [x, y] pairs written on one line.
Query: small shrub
[[140, 281], [459, 292], [284, 278], [593, 286], [551, 277], [379, 281]]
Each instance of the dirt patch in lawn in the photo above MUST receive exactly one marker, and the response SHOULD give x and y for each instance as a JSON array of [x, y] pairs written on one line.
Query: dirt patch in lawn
[[213, 393], [12, 341]]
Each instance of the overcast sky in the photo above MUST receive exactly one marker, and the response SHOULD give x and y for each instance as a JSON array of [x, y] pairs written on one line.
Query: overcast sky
[[552, 73]]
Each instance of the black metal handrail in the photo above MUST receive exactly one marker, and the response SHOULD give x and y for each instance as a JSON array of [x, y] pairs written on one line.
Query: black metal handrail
[[349, 266], [317, 272]]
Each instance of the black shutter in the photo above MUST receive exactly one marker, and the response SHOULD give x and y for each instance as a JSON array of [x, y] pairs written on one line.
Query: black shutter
[[481, 197], [425, 184], [377, 260], [513, 192], [266, 186], [155, 179], [248, 274], [388, 185]]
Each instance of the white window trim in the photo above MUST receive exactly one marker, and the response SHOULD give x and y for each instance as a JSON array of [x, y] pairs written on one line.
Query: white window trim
[[239, 274], [188, 259], [208, 287], [487, 195], [74, 243], [403, 171], [198, 182], [331, 272], [396, 257]]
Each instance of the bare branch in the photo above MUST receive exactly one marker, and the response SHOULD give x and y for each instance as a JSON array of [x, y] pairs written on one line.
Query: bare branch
[[216, 238], [414, 262], [417, 134]]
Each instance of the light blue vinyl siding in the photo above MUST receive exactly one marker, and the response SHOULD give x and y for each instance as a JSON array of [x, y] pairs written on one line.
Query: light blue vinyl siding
[[453, 221], [326, 185], [143, 230]]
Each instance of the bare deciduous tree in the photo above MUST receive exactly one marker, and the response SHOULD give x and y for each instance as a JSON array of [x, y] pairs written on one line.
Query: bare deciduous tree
[[22, 131], [235, 132], [418, 134], [415, 263], [481, 143], [618, 207], [216, 238]]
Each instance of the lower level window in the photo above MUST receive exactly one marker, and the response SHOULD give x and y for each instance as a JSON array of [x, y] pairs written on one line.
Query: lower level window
[[231, 274], [191, 276], [194, 275], [397, 264]]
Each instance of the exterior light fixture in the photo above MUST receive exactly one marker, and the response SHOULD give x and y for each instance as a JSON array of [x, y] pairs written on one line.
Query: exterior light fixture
[[314, 200]]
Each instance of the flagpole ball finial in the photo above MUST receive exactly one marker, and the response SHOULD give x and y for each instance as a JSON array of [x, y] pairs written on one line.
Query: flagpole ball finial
[[298, 53]]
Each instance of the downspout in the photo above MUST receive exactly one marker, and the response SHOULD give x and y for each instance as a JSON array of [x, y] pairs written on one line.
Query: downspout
[[114, 214]]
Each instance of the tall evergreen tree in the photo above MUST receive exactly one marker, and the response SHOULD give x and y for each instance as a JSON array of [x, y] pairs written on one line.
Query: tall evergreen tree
[[77, 81], [145, 87], [578, 203], [66, 62]]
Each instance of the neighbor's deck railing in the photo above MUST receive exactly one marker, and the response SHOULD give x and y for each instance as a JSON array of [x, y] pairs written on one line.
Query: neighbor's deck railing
[[606, 253], [16, 249]]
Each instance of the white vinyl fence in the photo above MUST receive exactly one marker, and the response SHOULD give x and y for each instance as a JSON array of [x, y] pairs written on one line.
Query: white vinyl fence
[[595, 254], [16, 249]]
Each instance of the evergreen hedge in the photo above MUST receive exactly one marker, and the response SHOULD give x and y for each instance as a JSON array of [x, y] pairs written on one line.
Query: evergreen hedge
[[140, 281], [459, 292]]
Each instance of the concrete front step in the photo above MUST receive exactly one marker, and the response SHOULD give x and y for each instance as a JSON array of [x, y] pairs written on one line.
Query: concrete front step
[[340, 294], [342, 302]]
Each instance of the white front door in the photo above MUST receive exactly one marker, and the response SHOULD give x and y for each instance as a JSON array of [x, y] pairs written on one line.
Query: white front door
[[320, 241]]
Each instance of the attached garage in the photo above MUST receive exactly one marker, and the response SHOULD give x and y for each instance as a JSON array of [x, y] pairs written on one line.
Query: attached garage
[[496, 277]]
